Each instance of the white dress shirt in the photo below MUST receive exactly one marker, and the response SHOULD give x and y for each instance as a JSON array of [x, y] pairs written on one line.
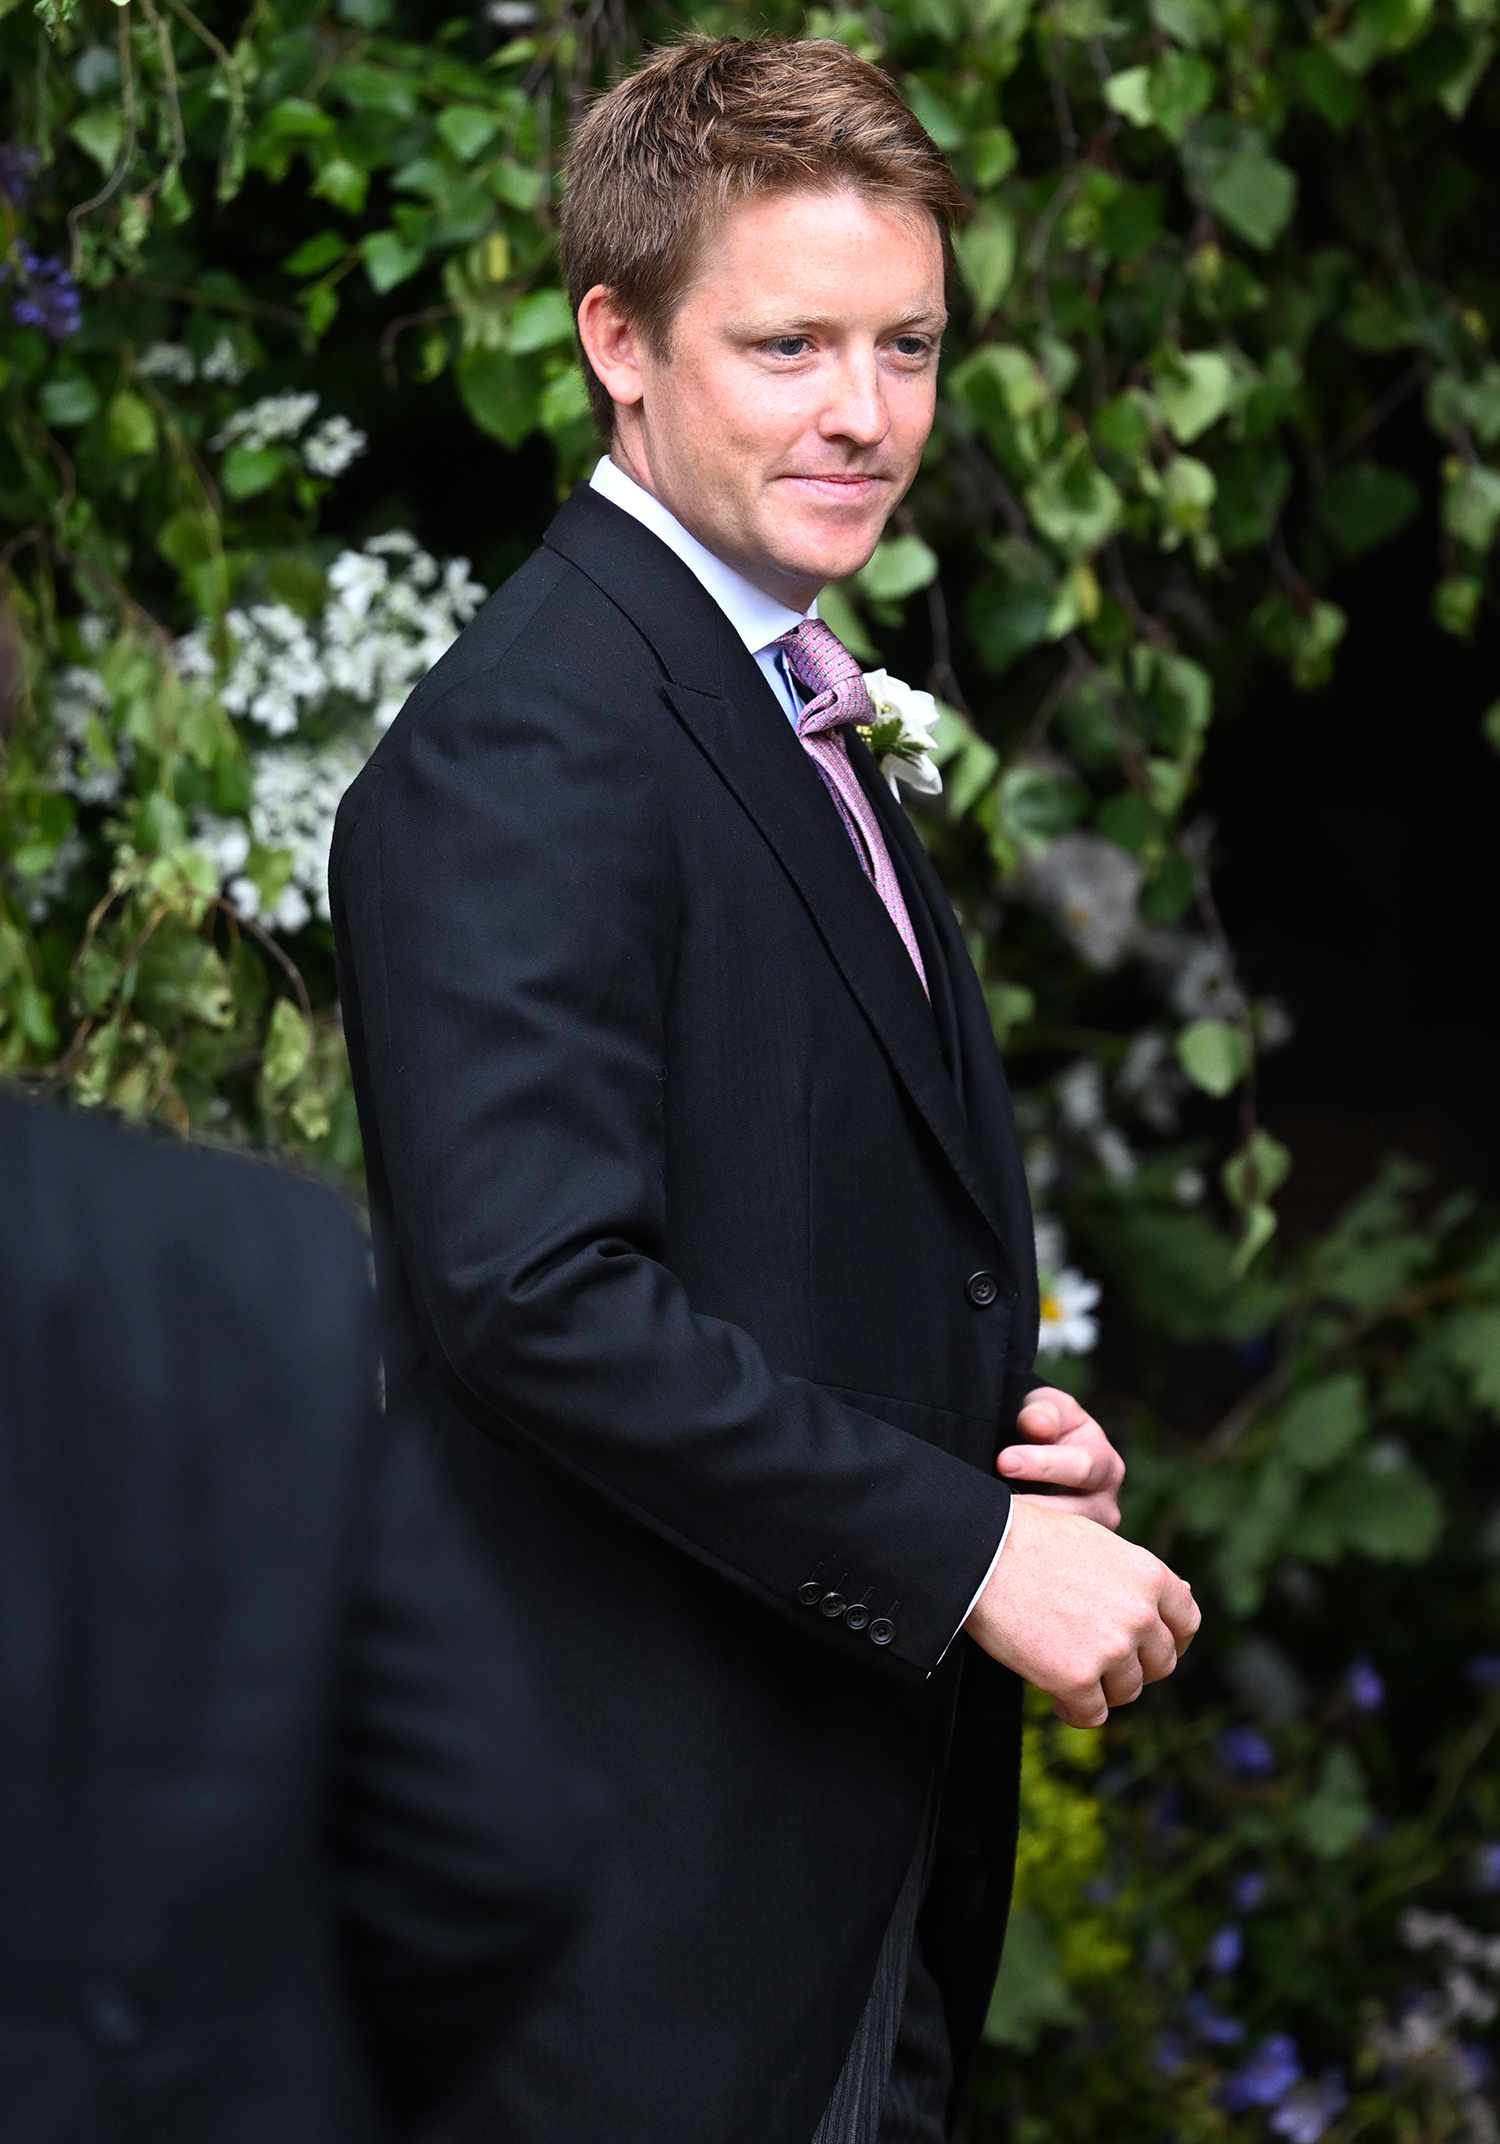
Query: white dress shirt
[[759, 621]]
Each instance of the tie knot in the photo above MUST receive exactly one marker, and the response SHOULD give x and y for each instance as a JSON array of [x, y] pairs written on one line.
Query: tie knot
[[825, 669]]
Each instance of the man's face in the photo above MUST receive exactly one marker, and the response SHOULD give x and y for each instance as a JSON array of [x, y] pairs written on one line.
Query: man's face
[[792, 413]]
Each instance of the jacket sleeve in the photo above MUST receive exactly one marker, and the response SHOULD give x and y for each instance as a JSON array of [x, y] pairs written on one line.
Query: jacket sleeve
[[507, 905]]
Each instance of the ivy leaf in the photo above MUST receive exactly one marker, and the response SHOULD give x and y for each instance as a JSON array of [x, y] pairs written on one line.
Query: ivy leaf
[[498, 393], [1253, 193], [986, 253], [1337, 1814], [1363, 504], [130, 424], [1182, 86], [897, 568], [563, 401], [342, 182], [388, 259], [98, 133], [1214, 1055], [1473, 1341], [543, 318], [467, 128], [1323, 1423], [1074, 504], [1129, 94], [1257, 1170], [994, 152], [248, 470], [1193, 391], [1389, 1509], [288, 1049], [320, 251], [1471, 505]]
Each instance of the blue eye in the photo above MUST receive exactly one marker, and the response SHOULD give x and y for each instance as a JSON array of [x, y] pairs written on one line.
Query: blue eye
[[779, 345]]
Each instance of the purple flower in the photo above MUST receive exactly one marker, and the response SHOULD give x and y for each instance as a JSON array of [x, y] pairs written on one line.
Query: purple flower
[[1249, 1891], [1171, 2054], [1484, 1671], [1210, 2024], [1245, 1751], [1225, 1950], [1306, 2112], [1479, 2065], [1365, 1688], [1266, 2078], [49, 298], [17, 166], [1487, 1866]]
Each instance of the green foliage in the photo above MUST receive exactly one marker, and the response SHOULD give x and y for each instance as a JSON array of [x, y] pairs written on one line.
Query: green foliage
[[1213, 251]]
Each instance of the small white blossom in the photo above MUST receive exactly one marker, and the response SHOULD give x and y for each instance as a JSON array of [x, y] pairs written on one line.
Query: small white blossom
[[330, 449], [272, 418], [1113, 1153], [1188, 1187], [167, 361], [1068, 1326], [1080, 1095], [1051, 1244], [88, 763], [224, 363], [1089, 887], [244, 895], [1151, 1081]]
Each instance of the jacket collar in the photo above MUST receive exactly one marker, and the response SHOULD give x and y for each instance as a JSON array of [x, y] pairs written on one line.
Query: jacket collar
[[719, 694]]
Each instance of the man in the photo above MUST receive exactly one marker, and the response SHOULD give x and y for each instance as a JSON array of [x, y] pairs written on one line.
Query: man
[[699, 1216], [283, 1853]]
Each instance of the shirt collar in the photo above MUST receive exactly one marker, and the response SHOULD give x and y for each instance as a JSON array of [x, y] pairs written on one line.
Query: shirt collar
[[757, 618]]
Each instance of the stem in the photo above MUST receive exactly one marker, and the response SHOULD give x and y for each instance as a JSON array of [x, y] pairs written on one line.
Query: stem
[[116, 178]]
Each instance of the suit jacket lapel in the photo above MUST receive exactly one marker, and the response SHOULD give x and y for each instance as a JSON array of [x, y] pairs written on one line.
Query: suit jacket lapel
[[717, 691]]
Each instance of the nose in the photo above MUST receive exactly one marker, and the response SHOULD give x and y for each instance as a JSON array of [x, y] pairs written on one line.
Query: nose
[[855, 408]]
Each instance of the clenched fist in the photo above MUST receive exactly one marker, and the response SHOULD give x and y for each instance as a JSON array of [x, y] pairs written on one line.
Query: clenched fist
[[1083, 1615]]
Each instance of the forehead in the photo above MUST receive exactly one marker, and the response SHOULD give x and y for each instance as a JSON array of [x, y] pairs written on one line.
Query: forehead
[[819, 251]]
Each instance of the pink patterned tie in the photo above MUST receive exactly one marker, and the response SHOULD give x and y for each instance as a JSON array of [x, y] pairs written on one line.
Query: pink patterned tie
[[823, 666]]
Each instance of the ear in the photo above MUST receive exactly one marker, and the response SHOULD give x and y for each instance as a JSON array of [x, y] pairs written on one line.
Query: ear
[[612, 346]]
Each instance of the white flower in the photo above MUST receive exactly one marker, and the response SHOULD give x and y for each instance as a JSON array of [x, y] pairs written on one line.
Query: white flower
[[1151, 1080], [1080, 1095], [1188, 1187], [1051, 1244], [330, 449], [356, 579], [167, 361], [1067, 1327], [273, 417], [224, 362], [1088, 886], [244, 895], [910, 758], [1113, 1154]]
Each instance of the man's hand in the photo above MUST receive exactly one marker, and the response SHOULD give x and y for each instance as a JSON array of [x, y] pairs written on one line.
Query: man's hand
[[1083, 1615], [1069, 1448]]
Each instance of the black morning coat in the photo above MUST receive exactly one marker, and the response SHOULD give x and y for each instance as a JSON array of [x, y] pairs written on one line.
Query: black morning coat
[[283, 1859], [707, 1243]]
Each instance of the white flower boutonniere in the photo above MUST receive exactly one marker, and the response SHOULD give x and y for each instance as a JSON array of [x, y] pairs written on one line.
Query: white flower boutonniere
[[901, 734]]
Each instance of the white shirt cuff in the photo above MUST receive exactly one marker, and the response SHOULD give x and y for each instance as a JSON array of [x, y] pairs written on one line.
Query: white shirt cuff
[[989, 1574]]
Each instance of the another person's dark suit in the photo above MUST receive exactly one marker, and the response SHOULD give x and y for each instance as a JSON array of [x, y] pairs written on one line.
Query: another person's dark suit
[[283, 1857], [704, 1241]]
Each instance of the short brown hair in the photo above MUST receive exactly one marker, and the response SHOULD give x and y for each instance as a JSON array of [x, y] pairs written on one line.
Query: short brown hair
[[709, 121]]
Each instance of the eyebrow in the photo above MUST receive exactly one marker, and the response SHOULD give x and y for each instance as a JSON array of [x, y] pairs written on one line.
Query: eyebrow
[[934, 321]]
